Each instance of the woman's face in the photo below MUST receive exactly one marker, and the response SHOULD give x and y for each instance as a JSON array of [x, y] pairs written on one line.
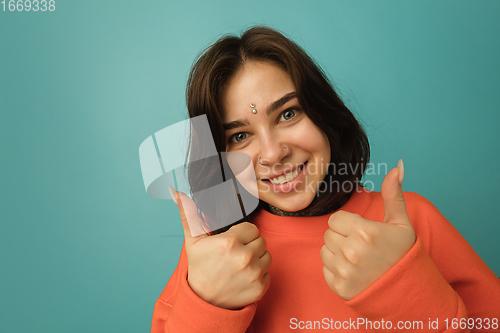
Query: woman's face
[[287, 178]]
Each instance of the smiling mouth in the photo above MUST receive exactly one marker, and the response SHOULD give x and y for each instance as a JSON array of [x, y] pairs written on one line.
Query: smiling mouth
[[286, 177]]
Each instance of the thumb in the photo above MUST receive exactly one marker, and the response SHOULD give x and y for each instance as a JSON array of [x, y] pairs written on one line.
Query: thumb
[[392, 196], [188, 212]]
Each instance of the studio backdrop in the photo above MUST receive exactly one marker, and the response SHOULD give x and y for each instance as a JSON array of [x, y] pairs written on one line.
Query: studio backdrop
[[83, 248]]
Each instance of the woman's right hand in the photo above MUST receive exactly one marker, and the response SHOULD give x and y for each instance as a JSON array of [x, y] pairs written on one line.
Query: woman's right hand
[[229, 270]]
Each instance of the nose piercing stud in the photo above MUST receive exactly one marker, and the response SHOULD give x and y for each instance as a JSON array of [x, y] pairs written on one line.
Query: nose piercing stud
[[288, 154]]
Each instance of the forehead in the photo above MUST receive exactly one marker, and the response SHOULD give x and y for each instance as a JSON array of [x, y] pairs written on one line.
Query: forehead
[[257, 82]]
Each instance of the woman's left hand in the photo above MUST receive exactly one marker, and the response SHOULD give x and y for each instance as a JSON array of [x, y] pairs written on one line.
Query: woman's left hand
[[358, 251]]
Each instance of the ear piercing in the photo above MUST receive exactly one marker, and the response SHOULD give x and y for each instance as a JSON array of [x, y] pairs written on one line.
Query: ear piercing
[[254, 110]]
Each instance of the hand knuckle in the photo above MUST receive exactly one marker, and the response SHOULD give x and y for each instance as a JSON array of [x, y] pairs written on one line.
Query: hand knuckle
[[333, 218], [326, 235], [351, 255], [344, 272], [262, 285], [270, 258], [263, 241], [265, 281], [229, 243], [250, 226], [255, 275], [322, 253], [243, 259], [368, 233]]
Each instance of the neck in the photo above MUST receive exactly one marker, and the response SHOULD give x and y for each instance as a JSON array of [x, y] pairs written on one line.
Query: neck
[[318, 212]]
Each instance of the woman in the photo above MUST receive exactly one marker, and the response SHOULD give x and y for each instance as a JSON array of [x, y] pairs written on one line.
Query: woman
[[342, 257]]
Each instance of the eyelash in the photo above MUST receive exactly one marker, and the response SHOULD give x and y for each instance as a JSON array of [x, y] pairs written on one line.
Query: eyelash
[[294, 109]]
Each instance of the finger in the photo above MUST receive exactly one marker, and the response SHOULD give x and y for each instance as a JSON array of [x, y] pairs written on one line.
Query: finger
[[245, 232], [329, 277], [173, 194], [343, 222], [191, 222], [265, 261], [392, 196], [327, 257], [340, 266], [334, 241], [258, 246], [337, 250], [266, 279]]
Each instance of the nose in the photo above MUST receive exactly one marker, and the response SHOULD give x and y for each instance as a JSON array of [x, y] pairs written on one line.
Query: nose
[[273, 152]]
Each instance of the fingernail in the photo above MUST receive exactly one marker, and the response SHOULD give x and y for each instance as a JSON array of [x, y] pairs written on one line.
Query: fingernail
[[173, 194], [401, 172]]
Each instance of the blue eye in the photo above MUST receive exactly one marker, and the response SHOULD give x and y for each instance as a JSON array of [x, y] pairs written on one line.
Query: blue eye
[[239, 137], [287, 115]]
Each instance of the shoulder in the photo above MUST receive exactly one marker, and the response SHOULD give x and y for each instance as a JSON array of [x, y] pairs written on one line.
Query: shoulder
[[412, 197], [417, 204], [426, 219], [422, 212], [414, 202]]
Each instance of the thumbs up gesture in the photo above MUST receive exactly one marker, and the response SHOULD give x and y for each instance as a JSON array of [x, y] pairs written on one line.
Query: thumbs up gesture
[[229, 270], [358, 251]]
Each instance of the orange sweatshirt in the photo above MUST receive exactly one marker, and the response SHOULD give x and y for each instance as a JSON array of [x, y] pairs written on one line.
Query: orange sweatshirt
[[440, 285]]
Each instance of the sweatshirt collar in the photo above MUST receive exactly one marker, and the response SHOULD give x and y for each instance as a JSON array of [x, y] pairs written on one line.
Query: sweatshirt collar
[[309, 225]]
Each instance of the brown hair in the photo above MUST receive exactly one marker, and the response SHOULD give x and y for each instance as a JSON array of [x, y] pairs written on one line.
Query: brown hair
[[219, 62]]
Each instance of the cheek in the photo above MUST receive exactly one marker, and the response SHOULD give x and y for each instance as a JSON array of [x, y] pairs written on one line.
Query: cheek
[[326, 148], [315, 140]]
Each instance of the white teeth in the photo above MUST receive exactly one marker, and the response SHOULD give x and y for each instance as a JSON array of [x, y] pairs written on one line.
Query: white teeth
[[286, 178]]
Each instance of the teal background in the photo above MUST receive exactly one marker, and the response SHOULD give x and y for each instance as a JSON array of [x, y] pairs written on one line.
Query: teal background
[[84, 249]]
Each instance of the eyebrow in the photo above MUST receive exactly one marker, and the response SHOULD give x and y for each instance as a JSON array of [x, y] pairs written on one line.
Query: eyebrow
[[273, 107]]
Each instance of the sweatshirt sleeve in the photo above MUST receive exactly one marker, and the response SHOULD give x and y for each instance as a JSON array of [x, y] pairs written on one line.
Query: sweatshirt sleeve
[[441, 282], [180, 310]]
